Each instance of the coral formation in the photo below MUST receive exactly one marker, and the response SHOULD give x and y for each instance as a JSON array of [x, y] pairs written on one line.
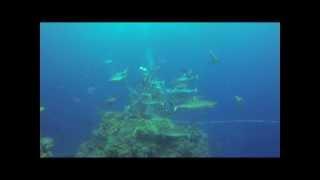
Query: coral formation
[[145, 128], [46, 145], [120, 135]]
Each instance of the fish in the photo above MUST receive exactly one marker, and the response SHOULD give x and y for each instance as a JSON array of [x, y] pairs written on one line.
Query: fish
[[196, 103], [111, 100], [183, 91], [143, 69], [119, 76], [186, 77], [239, 99], [153, 102], [214, 59], [182, 79]]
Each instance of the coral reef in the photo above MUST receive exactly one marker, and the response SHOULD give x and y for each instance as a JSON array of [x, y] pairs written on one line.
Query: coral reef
[[120, 135], [46, 145]]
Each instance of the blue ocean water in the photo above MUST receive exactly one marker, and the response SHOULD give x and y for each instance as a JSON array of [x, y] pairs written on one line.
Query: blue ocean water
[[74, 78]]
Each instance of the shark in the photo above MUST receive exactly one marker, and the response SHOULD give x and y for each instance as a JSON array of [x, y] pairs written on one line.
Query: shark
[[196, 103], [119, 76]]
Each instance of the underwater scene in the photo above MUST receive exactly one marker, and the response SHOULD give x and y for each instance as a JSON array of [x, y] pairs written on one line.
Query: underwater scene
[[159, 89]]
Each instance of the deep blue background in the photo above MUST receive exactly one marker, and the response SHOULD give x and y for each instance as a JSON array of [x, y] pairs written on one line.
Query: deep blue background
[[72, 59]]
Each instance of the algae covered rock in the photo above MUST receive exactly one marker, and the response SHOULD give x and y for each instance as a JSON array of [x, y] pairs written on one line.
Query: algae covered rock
[[46, 144], [119, 136]]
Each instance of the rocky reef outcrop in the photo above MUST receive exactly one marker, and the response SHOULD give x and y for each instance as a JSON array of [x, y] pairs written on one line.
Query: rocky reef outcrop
[[119, 135]]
